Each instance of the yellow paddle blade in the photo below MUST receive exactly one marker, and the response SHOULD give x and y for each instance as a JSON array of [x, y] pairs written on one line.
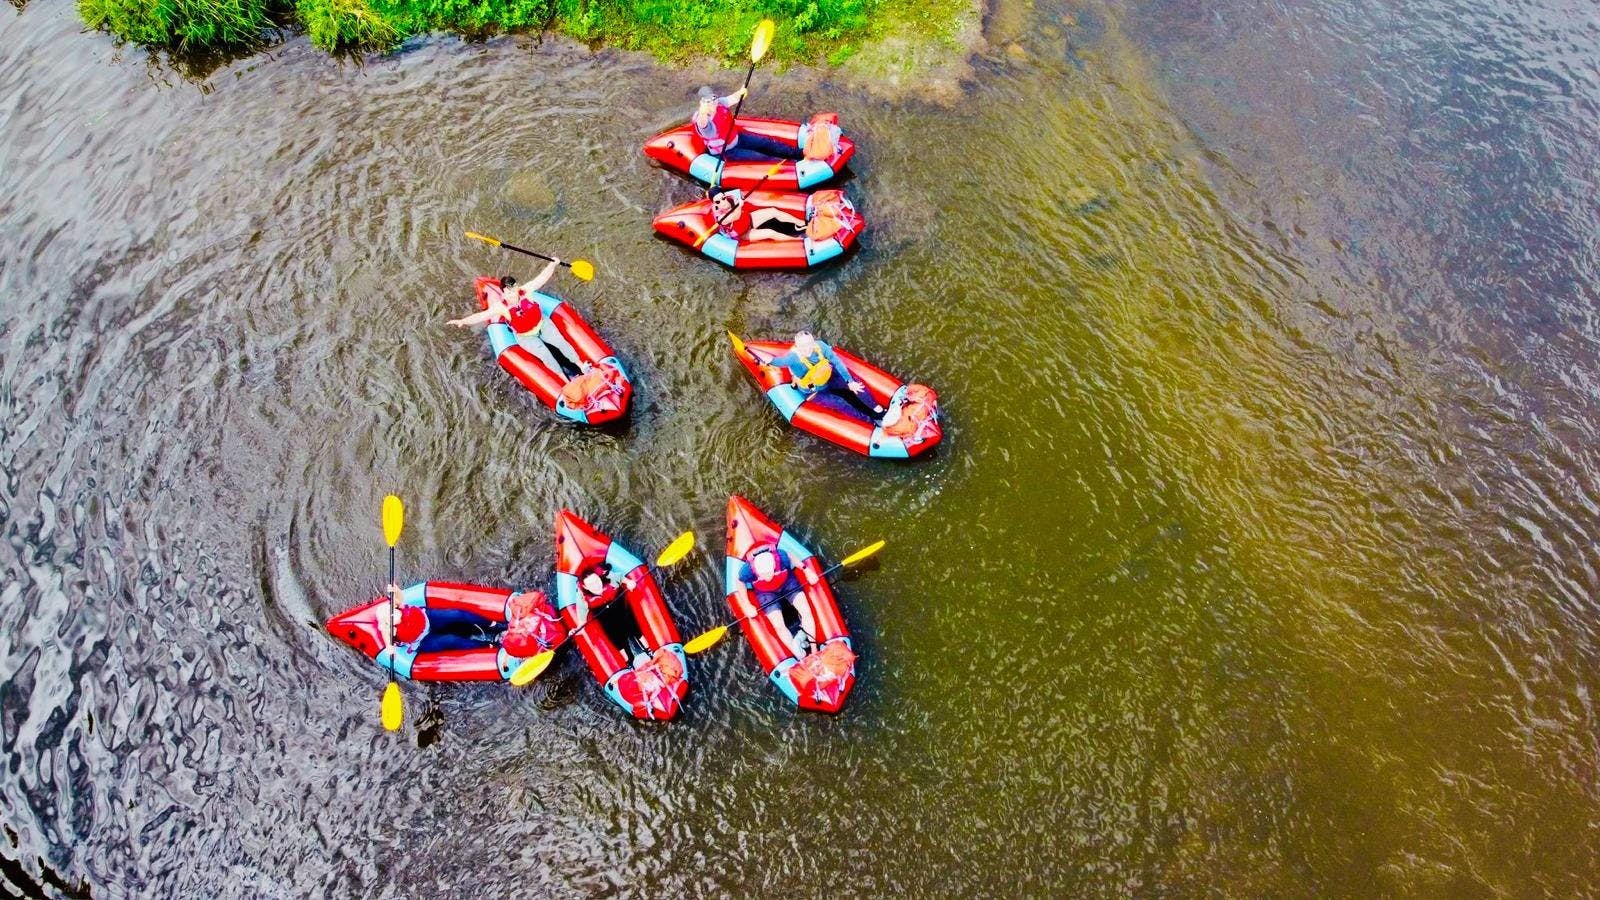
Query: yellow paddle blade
[[393, 708], [483, 237], [676, 550], [861, 554], [738, 345], [583, 269], [774, 170], [532, 668], [394, 519], [762, 40], [706, 641]]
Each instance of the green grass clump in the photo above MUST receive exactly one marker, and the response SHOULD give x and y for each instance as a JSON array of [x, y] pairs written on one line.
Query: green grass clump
[[188, 24], [476, 18], [674, 29], [808, 30], [341, 24]]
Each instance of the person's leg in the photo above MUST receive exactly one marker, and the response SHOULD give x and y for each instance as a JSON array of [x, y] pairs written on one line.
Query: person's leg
[[445, 642], [557, 343], [772, 218], [463, 624], [534, 343], [774, 614], [742, 153], [771, 148], [808, 622], [767, 234], [861, 400]]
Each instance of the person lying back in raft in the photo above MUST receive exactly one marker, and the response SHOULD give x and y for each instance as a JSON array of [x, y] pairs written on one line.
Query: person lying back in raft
[[597, 588], [743, 221], [424, 630], [515, 305], [723, 137], [814, 368], [771, 577]]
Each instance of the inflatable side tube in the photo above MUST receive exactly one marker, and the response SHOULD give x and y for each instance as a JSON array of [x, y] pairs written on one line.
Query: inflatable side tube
[[583, 338], [777, 129], [602, 656], [489, 603], [788, 201], [650, 609], [479, 664], [847, 430], [524, 366], [824, 608], [789, 254]]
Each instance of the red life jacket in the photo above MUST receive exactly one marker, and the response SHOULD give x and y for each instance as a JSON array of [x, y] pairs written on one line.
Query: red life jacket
[[413, 622], [739, 224], [776, 579], [525, 315], [717, 132]]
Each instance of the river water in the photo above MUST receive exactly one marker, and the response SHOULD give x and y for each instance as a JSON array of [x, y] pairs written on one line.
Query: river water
[[1258, 559]]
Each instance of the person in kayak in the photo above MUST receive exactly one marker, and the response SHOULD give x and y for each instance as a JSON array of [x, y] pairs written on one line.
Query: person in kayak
[[741, 220], [424, 630], [596, 589], [515, 305], [815, 369], [713, 121], [772, 578]]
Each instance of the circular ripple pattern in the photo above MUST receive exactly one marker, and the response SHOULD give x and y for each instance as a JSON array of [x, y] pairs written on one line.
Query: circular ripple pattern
[[1259, 557]]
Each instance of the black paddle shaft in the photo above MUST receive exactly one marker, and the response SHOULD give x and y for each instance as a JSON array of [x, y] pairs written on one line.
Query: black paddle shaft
[[737, 106], [394, 606], [532, 253]]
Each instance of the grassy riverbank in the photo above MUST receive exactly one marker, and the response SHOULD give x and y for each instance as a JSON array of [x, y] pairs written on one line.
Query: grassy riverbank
[[808, 30]]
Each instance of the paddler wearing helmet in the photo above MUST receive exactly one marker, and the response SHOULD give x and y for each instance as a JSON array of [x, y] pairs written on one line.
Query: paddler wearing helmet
[[815, 369], [772, 578], [515, 305], [713, 121], [742, 220], [423, 630]]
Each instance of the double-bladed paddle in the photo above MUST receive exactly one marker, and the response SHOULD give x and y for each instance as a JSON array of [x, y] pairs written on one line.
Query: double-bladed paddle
[[392, 709], [582, 268], [713, 637]]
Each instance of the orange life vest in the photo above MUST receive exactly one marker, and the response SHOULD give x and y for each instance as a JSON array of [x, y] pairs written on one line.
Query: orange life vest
[[827, 215], [579, 391], [532, 627], [716, 132], [823, 139], [919, 404]]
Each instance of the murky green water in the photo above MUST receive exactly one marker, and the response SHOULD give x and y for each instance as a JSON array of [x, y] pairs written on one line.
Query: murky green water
[[1257, 559]]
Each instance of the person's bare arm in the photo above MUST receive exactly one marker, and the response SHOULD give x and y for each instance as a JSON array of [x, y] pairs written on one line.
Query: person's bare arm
[[542, 278], [388, 616], [482, 317]]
